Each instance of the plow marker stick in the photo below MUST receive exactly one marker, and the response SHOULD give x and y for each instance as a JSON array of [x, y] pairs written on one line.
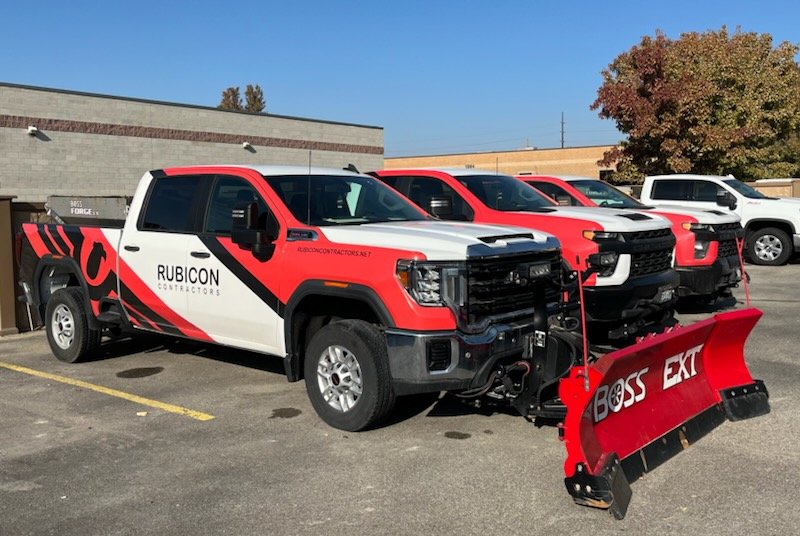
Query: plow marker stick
[[739, 249], [651, 400]]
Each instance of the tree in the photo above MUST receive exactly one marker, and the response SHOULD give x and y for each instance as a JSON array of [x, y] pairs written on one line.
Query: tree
[[254, 99], [231, 100], [708, 103]]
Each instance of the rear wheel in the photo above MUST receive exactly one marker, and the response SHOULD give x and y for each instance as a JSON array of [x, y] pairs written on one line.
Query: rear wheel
[[769, 246], [68, 332], [347, 375]]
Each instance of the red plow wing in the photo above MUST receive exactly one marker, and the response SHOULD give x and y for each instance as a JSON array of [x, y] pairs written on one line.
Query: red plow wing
[[649, 401]]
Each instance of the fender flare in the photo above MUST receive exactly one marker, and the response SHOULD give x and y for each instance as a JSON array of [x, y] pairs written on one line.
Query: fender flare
[[780, 222], [69, 265], [316, 287]]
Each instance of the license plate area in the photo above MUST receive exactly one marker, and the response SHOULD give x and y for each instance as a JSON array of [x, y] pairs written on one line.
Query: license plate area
[[664, 295]]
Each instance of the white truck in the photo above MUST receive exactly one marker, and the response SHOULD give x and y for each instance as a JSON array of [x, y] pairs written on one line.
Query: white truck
[[772, 225]]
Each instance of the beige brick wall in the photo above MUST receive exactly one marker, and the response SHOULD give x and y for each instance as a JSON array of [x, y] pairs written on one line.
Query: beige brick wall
[[77, 160], [581, 161]]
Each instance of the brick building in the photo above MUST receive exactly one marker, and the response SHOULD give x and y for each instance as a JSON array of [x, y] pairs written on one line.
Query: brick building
[[88, 144], [581, 161]]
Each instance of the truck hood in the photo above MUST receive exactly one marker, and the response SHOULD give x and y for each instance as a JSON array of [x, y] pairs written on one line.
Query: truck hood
[[700, 215], [783, 205], [613, 220], [443, 241]]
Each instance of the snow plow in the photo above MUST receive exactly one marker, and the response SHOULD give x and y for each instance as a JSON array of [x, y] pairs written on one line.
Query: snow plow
[[632, 409]]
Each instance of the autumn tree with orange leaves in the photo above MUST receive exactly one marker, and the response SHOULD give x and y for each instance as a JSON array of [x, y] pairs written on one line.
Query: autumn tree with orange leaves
[[708, 103]]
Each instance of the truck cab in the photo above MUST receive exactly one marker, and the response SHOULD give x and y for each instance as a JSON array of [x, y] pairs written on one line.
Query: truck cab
[[706, 249], [771, 225], [632, 285]]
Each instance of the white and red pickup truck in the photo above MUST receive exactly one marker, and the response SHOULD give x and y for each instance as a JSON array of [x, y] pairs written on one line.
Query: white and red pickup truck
[[706, 248], [333, 271], [633, 287]]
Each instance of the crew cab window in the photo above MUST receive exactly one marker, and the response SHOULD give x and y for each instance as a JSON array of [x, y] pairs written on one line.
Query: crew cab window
[[322, 200], [226, 194], [421, 190], [504, 193], [556, 192], [672, 189], [705, 191], [171, 204]]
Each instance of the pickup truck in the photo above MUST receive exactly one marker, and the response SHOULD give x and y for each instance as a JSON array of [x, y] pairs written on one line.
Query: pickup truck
[[706, 249], [771, 225], [353, 286], [630, 252]]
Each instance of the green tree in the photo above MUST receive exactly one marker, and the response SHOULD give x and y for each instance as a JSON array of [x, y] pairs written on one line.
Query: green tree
[[231, 100], [709, 103], [254, 99]]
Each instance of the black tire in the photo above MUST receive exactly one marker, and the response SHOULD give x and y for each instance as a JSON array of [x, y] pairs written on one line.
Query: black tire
[[769, 246], [330, 350], [68, 332]]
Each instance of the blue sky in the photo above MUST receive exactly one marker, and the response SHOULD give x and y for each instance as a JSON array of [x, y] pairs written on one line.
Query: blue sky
[[439, 76]]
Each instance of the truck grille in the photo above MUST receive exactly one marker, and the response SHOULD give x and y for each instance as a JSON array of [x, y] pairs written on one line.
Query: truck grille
[[727, 248], [644, 235], [491, 290], [650, 262]]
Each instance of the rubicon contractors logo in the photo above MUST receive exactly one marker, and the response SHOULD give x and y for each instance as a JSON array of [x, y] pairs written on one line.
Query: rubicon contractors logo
[[630, 390], [188, 279]]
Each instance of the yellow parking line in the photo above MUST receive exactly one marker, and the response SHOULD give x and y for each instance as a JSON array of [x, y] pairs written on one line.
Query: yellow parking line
[[112, 392]]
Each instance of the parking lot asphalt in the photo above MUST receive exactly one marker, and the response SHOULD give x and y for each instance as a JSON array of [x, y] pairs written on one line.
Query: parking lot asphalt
[[78, 460]]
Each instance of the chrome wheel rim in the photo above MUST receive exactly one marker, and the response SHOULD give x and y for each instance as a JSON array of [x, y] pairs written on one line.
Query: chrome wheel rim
[[63, 327], [339, 378], [768, 248]]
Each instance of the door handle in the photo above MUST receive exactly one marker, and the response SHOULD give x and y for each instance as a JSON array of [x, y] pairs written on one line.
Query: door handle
[[200, 254], [131, 248]]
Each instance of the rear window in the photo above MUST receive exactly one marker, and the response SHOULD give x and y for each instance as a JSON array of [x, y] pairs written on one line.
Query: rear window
[[170, 204], [672, 189]]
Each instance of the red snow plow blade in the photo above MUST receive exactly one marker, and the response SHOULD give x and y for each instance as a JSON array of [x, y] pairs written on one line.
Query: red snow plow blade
[[647, 402]]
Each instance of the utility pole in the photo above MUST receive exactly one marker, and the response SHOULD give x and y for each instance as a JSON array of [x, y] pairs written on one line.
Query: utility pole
[[562, 130]]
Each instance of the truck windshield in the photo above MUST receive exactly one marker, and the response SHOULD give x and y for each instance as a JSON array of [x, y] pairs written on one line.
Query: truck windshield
[[505, 193], [322, 200], [605, 195], [744, 189]]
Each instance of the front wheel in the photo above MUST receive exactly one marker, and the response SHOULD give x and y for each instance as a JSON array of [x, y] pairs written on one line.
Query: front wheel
[[68, 332], [347, 375], [769, 246]]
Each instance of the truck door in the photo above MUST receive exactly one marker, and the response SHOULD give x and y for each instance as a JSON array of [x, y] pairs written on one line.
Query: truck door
[[153, 272], [232, 294]]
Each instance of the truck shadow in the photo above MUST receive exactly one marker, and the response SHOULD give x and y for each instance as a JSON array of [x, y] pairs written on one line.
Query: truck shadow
[[126, 345], [694, 306]]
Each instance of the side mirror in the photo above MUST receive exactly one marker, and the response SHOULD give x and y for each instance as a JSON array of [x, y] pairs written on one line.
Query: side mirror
[[441, 207], [726, 199], [246, 233]]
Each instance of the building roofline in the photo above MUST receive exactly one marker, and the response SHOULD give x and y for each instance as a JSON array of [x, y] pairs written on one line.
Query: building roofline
[[178, 104], [533, 150]]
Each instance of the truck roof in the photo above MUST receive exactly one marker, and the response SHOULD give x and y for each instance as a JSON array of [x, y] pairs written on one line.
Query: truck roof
[[688, 176], [454, 171], [565, 178], [271, 169]]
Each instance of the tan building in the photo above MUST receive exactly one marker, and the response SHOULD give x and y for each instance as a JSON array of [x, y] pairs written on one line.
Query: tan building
[[580, 161]]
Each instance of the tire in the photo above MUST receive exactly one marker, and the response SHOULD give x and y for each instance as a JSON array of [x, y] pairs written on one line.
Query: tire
[[347, 375], [68, 332], [769, 246]]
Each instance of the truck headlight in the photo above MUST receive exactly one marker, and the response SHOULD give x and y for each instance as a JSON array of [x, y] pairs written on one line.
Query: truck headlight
[[434, 284], [697, 226], [600, 235]]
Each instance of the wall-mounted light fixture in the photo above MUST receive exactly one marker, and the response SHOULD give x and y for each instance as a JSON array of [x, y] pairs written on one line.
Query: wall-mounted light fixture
[[246, 145], [32, 130]]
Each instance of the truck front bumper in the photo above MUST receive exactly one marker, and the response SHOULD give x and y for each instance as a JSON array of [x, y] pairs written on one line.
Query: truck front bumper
[[637, 298], [724, 273], [424, 362]]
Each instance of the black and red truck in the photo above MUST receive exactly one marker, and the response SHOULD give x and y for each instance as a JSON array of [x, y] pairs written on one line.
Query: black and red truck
[[365, 297]]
